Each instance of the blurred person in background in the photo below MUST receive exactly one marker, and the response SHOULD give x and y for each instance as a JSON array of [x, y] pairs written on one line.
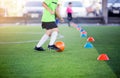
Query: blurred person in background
[[69, 12], [94, 8]]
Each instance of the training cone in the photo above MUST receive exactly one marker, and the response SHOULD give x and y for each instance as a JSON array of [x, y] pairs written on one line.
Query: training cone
[[60, 45], [88, 45], [83, 35], [81, 30], [84, 32], [78, 26], [103, 57], [73, 24], [90, 39], [78, 29]]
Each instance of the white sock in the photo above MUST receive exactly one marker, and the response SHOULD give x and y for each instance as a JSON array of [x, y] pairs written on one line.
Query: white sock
[[42, 40], [53, 37]]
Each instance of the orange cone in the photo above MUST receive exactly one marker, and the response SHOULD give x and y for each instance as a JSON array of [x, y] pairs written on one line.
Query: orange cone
[[90, 39], [103, 57]]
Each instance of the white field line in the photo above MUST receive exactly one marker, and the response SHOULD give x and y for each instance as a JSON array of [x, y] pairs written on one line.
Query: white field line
[[20, 32], [19, 42], [28, 41]]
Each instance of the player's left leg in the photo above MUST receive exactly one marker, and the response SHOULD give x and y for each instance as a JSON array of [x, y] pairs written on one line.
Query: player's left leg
[[53, 38]]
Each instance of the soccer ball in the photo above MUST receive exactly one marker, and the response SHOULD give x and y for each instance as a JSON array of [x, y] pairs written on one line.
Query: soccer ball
[[60, 45]]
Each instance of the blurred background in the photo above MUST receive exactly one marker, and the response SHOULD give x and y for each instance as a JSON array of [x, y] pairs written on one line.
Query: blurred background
[[18, 7], [95, 11]]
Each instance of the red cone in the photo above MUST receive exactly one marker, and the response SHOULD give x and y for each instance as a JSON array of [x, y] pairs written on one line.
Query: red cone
[[90, 39], [73, 24], [103, 57], [78, 29], [84, 32]]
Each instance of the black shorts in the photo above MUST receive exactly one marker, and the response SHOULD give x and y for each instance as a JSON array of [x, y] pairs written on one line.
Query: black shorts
[[69, 16], [49, 25]]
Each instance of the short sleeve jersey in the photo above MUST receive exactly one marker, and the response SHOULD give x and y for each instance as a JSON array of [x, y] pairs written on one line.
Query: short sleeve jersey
[[47, 16]]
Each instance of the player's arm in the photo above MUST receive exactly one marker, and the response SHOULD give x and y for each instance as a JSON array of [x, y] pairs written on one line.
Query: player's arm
[[57, 12], [46, 7]]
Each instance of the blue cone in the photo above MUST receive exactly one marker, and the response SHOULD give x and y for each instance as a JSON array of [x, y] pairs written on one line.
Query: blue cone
[[88, 45], [83, 35], [82, 30], [78, 26]]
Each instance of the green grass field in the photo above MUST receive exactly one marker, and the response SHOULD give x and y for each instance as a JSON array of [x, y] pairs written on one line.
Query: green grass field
[[18, 59]]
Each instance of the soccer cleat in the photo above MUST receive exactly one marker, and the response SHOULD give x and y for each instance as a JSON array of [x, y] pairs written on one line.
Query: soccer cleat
[[39, 49], [53, 47]]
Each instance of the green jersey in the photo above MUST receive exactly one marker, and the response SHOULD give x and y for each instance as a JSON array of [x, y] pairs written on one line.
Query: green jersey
[[47, 16]]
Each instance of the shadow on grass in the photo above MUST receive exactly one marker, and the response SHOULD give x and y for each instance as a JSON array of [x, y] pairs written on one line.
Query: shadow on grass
[[107, 40]]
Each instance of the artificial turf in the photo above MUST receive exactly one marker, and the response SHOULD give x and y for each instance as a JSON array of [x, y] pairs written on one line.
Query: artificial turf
[[18, 59]]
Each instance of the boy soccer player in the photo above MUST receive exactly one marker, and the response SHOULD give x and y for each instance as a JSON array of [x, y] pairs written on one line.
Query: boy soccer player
[[48, 22]]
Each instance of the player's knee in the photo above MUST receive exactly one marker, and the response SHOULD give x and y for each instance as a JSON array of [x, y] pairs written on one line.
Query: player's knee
[[55, 29], [48, 33]]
